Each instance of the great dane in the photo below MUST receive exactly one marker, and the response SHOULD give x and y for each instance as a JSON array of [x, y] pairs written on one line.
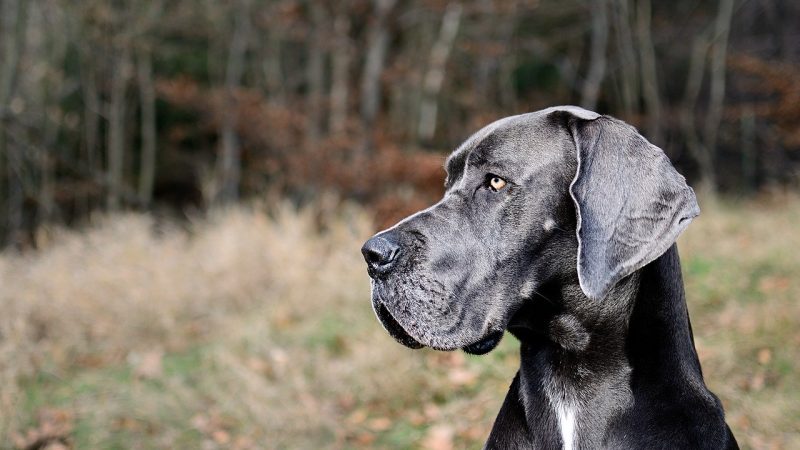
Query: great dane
[[559, 226]]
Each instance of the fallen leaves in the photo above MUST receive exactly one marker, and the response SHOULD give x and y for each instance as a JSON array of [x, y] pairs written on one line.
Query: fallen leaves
[[439, 437], [53, 431], [357, 417], [764, 356], [462, 377], [218, 431], [773, 285], [380, 424], [147, 365]]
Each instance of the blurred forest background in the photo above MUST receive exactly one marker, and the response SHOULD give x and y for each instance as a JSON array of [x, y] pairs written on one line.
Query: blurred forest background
[[184, 187], [140, 105]]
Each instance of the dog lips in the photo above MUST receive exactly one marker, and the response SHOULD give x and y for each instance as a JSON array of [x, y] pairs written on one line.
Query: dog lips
[[485, 345]]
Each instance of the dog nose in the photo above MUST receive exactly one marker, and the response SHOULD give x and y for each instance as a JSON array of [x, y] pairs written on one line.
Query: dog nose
[[380, 253]]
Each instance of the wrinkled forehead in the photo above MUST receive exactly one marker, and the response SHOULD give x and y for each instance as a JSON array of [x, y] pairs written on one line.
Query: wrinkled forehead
[[509, 145]]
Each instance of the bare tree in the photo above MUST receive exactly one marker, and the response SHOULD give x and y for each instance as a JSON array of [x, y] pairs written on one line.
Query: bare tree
[[694, 81], [147, 98], [120, 73], [143, 28], [91, 107], [52, 92], [377, 44], [14, 24], [434, 77], [597, 58], [747, 123], [229, 162], [647, 63], [315, 72], [629, 81], [81, 86], [716, 39], [272, 65], [719, 49], [506, 87], [340, 72]]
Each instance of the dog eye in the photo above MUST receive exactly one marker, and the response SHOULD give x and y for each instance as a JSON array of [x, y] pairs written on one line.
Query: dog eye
[[495, 183]]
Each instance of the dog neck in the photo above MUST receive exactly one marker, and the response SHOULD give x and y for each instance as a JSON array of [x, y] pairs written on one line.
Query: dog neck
[[584, 363]]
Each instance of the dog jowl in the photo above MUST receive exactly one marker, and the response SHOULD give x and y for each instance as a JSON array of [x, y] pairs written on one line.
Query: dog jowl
[[558, 226]]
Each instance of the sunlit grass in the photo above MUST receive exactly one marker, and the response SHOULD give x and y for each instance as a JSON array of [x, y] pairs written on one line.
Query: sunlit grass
[[253, 329]]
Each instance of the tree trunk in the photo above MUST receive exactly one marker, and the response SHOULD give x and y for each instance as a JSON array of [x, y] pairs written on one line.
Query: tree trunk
[[749, 154], [14, 21], [647, 63], [507, 89], [434, 77], [55, 51], [147, 99], [694, 82], [629, 82], [91, 120], [230, 151], [315, 75], [272, 67], [407, 94], [340, 74], [116, 126], [597, 59], [14, 24], [377, 44], [719, 49]]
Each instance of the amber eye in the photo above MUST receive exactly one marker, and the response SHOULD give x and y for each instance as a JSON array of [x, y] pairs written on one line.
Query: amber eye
[[496, 183]]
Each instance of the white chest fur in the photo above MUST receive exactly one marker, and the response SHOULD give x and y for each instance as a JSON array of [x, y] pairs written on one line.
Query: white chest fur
[[566, 423]]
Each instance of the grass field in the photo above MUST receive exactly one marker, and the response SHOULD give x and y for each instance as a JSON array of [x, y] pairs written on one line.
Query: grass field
[[252, 329]]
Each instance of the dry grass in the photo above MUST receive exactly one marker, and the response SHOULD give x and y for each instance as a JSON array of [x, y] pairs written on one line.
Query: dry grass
[[742, 264], [253, 330]]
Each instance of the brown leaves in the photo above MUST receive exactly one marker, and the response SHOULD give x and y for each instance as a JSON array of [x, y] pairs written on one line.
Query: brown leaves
[[764, 356], [380, 424], [439, 437], [357, 417], [763, 376], [363, 430], [391, 181], [147, 365], [218, 431], [461, 376], [775, 284], [53, 431], [771, 77]]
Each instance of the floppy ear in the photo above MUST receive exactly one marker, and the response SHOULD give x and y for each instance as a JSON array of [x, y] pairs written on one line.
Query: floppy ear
[[631, 203]]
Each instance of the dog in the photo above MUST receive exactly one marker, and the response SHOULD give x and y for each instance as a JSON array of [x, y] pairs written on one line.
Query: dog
[[559, 226]]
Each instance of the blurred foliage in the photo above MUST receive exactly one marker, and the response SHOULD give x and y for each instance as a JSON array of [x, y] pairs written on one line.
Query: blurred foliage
[[176, 105]]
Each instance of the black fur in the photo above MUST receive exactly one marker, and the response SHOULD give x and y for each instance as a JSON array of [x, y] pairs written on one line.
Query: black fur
[[574, 256]]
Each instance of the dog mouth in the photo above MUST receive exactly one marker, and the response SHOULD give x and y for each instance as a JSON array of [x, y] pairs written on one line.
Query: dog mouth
[[484, 345], [481, 347], [394, 328]]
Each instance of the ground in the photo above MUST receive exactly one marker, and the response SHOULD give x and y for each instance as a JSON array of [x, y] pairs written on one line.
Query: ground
[[252, 329]]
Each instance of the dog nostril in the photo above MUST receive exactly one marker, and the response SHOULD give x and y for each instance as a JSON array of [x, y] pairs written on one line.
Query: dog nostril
[[373, 257], [380, 253]]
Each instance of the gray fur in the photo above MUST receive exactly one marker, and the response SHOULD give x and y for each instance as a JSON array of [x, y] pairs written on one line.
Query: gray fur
[[575, 256], [631, 203]]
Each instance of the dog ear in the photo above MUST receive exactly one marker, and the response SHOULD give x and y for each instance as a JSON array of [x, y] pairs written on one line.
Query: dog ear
[[631, 203]]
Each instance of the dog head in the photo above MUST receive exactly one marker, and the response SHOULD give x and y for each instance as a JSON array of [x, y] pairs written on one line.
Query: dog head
[[559, 194]]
